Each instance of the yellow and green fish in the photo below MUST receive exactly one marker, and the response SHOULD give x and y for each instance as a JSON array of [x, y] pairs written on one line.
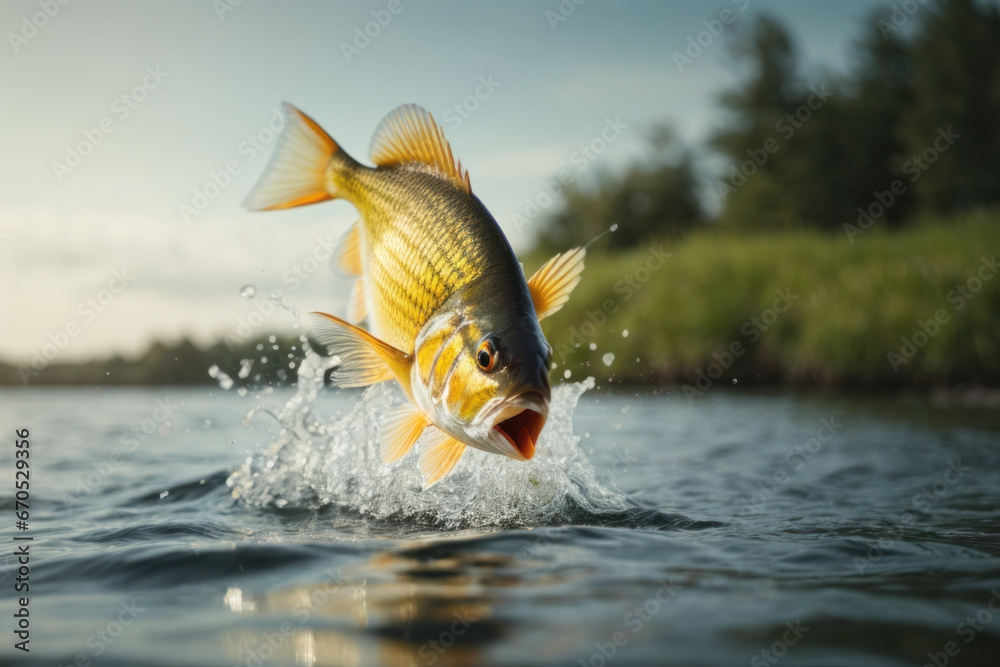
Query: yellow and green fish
[[450, 315]]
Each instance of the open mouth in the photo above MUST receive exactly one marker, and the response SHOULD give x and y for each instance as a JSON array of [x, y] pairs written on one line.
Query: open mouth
[[522, 430]]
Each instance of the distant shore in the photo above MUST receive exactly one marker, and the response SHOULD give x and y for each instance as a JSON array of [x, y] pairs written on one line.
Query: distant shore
[[918, 308]]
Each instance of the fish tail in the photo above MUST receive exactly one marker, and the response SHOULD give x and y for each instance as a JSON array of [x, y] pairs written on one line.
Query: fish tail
[[298, 173]]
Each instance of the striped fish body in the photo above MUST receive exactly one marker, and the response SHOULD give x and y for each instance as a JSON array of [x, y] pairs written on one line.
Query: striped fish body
[[423, 240], [449, 313]]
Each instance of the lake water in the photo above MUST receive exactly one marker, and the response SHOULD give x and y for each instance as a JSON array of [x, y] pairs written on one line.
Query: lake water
[[199, 527]]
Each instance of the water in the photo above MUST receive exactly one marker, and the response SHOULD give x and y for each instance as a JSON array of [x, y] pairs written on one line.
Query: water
[[760, 528]]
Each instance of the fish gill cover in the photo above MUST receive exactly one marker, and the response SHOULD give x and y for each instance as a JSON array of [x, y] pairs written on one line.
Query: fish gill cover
[[316, 463]]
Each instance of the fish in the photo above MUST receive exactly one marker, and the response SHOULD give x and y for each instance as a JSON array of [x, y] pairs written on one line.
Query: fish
[[449, 314]]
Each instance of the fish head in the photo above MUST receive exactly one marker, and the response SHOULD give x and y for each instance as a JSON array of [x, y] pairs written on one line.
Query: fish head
[[485, 380]]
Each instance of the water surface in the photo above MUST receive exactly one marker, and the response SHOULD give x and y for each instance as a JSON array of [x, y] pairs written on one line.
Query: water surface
[[738, 528]]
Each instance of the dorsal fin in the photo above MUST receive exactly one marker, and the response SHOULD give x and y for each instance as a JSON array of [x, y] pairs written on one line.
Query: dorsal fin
[[410, 134]]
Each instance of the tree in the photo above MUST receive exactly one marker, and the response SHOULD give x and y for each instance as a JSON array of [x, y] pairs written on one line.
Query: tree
[[956, 86], [656, 197]]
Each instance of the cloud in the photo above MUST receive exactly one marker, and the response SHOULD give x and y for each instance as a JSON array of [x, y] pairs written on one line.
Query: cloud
[[180, 280]]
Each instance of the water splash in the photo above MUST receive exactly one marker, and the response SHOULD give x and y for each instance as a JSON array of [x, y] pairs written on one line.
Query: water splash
[[318, 463]]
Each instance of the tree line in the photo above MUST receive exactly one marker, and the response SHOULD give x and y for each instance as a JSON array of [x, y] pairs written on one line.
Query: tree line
[[909, 131]]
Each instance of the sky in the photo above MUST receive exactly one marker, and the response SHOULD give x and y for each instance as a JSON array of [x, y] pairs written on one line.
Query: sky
[[132, 131]]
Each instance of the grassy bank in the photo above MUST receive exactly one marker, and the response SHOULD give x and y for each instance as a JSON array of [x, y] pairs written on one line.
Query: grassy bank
[[847, 306]]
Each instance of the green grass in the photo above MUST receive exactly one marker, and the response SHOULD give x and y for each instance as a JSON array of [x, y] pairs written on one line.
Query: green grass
[[855, 304]]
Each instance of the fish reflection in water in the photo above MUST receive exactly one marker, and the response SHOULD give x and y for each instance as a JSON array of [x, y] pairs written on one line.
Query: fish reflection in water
[[400, 608]]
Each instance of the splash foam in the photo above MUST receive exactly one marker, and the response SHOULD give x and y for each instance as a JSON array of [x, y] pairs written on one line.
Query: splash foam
[[316, 464]]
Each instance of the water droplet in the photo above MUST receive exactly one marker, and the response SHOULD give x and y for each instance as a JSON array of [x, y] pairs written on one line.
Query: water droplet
[[567, 373], [734, 380], [272, 339], [614, 227], [164, 494], [625, 410], [225, 382], [248, 291], [245, 366], [624, 333], [263, 360], [593, 346], [608, 358]]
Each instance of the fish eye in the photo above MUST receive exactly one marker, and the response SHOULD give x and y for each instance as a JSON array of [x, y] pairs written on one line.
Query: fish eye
[[486, 355]]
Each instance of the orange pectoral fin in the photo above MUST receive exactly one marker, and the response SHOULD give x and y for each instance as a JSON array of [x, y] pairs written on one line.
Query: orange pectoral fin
[[551, 284], [364, 359]]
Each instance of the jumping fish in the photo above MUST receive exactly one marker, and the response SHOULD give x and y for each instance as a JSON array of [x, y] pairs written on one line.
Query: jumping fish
[[449, 313]]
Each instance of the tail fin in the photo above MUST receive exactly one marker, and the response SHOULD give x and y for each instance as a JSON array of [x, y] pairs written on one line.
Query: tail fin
[[296, 174]]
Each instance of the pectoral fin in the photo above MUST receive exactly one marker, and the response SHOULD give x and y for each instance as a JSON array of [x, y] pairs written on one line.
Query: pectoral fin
[[551, 285], [438, 455], [364, 359], [401, 427]]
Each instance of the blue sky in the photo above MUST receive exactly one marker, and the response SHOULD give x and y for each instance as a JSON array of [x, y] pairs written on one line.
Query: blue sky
[[164, 95]]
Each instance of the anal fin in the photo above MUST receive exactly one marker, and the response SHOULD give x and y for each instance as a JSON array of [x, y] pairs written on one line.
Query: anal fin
[[401, 427], [357, 309], [438, 455], [346, 261]]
